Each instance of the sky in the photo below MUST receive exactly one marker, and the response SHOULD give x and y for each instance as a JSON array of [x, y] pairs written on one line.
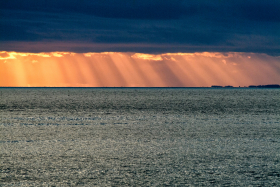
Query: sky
[[185, 36]]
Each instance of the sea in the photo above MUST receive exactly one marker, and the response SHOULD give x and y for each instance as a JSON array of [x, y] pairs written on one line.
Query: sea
[[139, 137]]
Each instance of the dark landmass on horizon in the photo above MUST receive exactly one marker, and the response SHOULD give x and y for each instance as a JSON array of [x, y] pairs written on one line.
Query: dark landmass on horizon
[[265, 86], [251, 86]]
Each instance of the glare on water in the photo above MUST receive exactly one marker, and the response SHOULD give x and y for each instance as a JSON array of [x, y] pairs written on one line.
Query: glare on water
[[140, 137]]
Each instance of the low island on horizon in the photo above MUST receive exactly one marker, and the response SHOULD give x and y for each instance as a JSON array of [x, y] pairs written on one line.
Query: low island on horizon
[[250, 86]]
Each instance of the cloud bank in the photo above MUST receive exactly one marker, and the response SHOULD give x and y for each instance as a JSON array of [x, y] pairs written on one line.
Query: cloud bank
[[158, 26]]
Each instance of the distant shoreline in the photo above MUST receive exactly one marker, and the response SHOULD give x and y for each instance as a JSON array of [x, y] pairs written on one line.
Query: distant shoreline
[[214, 86]]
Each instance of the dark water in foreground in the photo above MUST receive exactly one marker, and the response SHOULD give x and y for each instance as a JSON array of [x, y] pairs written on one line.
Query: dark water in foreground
[[140, 137]]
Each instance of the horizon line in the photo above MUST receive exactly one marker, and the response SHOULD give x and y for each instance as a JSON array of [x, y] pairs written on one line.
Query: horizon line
[[213, 86]]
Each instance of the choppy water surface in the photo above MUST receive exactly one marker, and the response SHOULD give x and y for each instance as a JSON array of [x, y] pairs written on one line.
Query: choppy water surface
[[140, 137]]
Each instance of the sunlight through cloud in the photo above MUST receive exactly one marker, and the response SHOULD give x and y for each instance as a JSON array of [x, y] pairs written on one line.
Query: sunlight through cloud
[[116, 69]]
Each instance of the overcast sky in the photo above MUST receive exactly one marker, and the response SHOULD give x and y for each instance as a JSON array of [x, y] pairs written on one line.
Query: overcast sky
[[146, 26]]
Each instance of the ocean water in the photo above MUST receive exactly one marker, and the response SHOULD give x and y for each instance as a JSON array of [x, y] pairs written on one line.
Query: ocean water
[[139, 137]]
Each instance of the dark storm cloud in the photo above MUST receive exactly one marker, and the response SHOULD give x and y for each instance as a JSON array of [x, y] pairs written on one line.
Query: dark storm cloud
[[261, 11], [177, 25], [129, 9]]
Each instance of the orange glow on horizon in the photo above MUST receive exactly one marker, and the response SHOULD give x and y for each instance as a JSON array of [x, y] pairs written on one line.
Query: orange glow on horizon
[[116, 69]]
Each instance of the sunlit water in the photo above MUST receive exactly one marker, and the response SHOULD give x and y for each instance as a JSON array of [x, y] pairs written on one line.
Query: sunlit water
[[140, 137]]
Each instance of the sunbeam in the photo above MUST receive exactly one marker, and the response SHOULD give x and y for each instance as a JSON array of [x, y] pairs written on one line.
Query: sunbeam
[[115, 69]]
